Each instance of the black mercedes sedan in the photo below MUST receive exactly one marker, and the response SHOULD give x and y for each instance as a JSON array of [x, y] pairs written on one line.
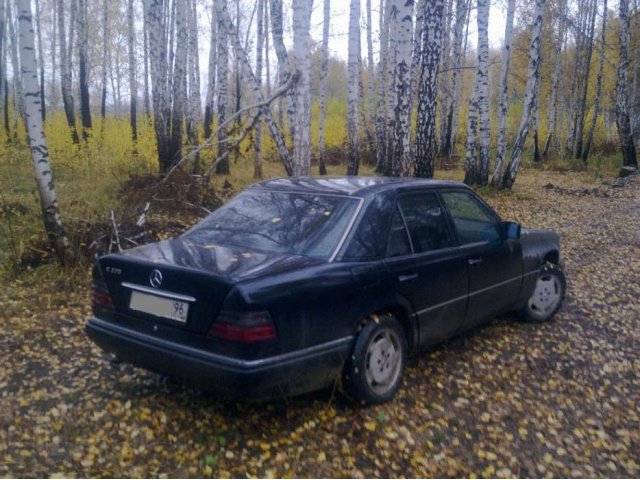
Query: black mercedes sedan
[[298, 283]]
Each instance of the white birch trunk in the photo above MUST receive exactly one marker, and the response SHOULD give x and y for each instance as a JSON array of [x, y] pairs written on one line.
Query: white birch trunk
[[194, 111], [596, 101], [483, 91], [65, 74], [257, 162], [530, 100], [504, 94], [553, 98], [401, 15], [426, 145], [147, 100], [83, 69], [15, 67], [35, 132], [301, 65], [211, 73], [222, 67], [324, 75], [471, 155], [382, 160], [353, 94], [105, 53], [275, 8], [445, 74], [43, 103], [371, 84], [133, 80], [180, 98], [623, 122]]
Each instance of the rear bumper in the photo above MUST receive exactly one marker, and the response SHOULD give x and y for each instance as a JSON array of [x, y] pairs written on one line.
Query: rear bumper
[[288, 374]]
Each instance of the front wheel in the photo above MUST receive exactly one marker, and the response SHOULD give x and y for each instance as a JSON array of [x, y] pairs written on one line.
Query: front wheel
[[373, 372], [547, 296]]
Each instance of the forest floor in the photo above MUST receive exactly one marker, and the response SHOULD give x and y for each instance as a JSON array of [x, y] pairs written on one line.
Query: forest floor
[[510, 399]]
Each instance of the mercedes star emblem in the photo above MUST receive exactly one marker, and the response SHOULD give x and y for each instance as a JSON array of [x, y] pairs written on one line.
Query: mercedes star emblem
[[155, 279]]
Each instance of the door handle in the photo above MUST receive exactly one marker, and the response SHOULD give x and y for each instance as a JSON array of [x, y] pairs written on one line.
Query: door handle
[[408, 277], [475, 261]]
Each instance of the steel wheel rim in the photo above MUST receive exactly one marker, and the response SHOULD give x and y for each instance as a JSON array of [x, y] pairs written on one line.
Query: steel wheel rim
[[546, 295], [383, 361]]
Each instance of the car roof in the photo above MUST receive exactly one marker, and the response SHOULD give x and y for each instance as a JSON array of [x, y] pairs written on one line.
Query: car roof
[[357, 186]]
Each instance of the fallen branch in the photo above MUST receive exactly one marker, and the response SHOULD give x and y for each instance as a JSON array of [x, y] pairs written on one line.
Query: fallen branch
[[208, 142]]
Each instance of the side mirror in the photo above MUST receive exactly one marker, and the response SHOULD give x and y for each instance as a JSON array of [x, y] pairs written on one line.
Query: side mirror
[[511, 230]]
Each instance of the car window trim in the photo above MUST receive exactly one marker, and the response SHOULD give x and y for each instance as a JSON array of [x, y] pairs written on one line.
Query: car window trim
[[350, 225], [396, 207]]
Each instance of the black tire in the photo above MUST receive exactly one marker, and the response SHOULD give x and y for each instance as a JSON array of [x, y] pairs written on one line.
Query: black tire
[[547, 297], [381, 340]]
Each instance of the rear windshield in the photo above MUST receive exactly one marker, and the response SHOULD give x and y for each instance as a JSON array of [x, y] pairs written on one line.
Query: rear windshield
[[281, 222]]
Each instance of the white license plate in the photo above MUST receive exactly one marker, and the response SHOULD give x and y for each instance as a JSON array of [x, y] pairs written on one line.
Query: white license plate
[[158, 306]]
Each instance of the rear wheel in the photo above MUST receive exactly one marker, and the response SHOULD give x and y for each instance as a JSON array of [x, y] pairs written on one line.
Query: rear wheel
[[547, 296], [374, 370]]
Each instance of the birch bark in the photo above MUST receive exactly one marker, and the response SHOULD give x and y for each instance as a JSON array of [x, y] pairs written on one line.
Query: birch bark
[[504, 94], [257, 163], [401, 16], [222, 68], [65, 74], [324, 74], [43, 104], [382, 164], [553, 98], [483, 91], [133, 81], [353, 81], [35, 131], [530, 100], [211, 73], [83, 73], [426, 145], [105, 36], [622, 91]]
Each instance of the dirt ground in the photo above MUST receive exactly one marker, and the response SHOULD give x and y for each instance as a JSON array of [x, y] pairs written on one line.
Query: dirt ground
[[509, 399]]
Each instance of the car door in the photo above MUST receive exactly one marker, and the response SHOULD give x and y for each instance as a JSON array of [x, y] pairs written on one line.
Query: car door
[[495, 263], [426, 267]]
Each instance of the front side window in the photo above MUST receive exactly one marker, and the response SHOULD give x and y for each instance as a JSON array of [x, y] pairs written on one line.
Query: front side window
[[425, 222], [473, 221], [281, 222]]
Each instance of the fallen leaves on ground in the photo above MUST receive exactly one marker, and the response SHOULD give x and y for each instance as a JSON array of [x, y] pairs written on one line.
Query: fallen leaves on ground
[[509, 399]]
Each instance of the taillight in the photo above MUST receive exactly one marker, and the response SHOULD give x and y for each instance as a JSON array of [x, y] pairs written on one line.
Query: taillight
[[100, 297], [250, 327]]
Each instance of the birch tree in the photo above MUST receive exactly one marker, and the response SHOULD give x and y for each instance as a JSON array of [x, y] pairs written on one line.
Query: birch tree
[[133, 81], [371, 77], [324, 74], [478, 130], [553, 98], [103, 96], [83, 69], [382, 164], [222, 69], [277, 33], [211, 73], [302, 86], [426, 146], [623, 122], [401, 19], [35, 131], [43, 104], [504, 94], [531, 90], [193, 113], [257, 163], [353, 80], [65, 74], [3, 69]]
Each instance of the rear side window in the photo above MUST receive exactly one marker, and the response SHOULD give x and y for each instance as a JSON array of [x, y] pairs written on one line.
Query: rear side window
[[369, 239], [398, 238], [473, 221], [425, 222]]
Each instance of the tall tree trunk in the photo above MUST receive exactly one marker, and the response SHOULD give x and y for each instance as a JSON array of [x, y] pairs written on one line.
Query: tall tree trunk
[[257, 162], [53, 92], [105, 54], [83, 81], [147, 102], [416, 54], [598, 93], [3, 70], [275, 7], [18, 93], [267, 63], [622, 91], [65, 74], [458, 58], [222, 167], [483, 91], [35, 131], [194, 113], [401, 19], [133, 80], [530, 100], [353, 79], [553, 98], [157, 44], [504, 94], [43, 104], [382, 160], [211, 74], [302, 86], [180, 99], [371, 76], [426, 146], [324, 75], [584, 87], [444, 75]]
